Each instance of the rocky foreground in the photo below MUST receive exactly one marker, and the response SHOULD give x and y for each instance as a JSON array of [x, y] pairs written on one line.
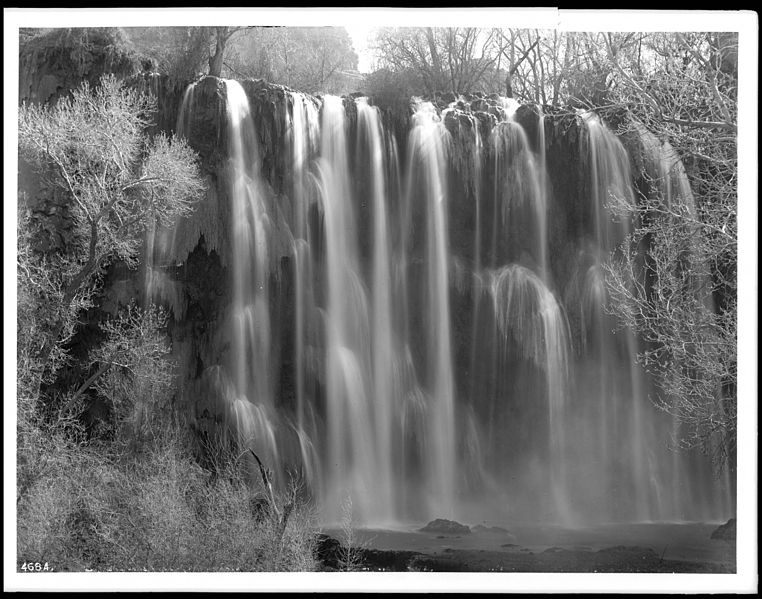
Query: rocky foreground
[[515, 557]]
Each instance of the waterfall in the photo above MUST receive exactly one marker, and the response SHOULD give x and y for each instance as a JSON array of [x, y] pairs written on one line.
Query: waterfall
[[441, 345], [617, 397], [187, 110], [356, 452], [519, 200], [509, 107], [382, 346]]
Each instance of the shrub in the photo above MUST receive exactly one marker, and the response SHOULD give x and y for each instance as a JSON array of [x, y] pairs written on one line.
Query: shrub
[[160, 513]]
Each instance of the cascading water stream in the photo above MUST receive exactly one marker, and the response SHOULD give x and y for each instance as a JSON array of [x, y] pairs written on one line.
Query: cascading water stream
[[187, 110], [160, 241], [509, 106], [477, 155], [304, 135], [358, 458], [543, 198], [428, 146], [253, 407], [620, 400], [520, 208], [517, 233], [528, 316], [382, 343]]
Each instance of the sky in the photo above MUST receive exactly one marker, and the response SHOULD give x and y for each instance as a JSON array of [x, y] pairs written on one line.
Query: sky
[[361, 35]]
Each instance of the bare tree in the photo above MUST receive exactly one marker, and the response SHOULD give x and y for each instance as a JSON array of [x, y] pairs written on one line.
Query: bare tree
[[310, 59], [221, 39], [92, 148], [456, 59], [681, 295], [508, 47]]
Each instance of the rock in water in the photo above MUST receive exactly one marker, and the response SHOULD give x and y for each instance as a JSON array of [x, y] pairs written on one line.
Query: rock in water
[[725, 532], [441, 525]]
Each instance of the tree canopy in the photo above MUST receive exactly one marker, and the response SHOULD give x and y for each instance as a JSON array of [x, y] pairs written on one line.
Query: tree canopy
[[308, 59], [456, 59]]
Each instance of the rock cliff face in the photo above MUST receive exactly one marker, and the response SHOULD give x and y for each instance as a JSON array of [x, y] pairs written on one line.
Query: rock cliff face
[[53, 64]]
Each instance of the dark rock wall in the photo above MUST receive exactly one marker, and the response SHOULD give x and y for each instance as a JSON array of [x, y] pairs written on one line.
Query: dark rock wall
[[54, 62]]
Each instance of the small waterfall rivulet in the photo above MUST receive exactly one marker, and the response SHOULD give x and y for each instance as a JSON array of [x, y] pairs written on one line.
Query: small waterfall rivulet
[[160, 241], [419, 324]]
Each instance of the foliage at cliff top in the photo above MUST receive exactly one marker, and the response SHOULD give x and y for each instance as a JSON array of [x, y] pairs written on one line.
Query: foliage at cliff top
[[309, 59]]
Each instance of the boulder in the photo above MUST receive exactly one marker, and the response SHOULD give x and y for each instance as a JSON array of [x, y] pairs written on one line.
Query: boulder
[[451, 527], [725, 532], [446, 97], [479, 105]]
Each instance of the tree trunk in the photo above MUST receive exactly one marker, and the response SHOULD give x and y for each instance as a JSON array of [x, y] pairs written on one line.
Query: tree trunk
[[215, 61], [436, 63]]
